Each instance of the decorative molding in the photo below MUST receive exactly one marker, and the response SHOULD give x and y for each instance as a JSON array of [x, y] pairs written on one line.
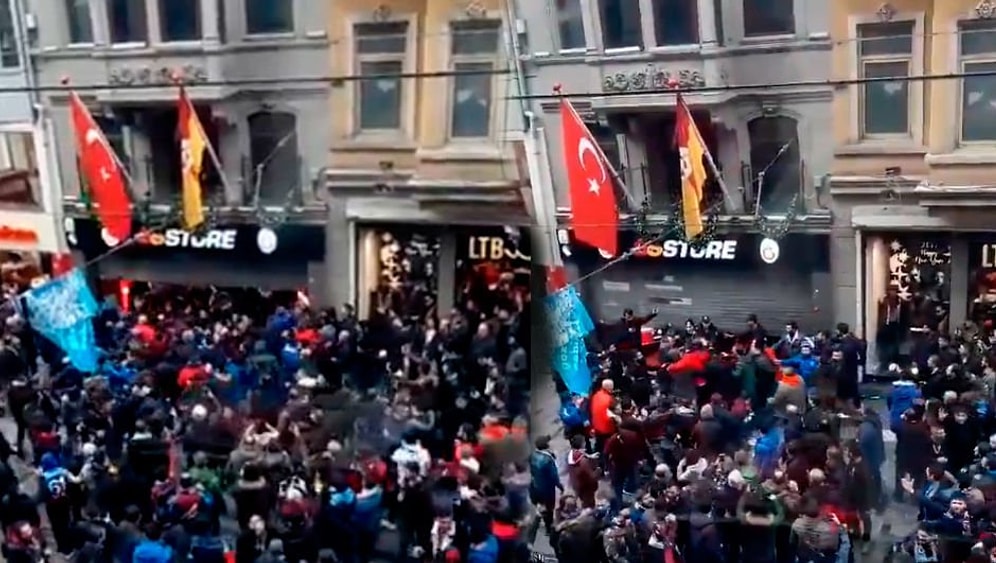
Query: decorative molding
[[475, 10], [382, 13], [652, 78], [985, 9], [886, 12], [152, 75]]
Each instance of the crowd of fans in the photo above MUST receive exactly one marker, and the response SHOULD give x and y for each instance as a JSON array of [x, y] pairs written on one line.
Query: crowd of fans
[[272, 432], [701, 445]]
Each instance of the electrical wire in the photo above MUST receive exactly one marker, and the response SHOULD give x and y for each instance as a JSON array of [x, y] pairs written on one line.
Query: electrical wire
[[832, 83]]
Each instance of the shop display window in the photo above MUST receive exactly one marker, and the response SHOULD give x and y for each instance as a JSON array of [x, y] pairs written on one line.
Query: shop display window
[[982, 283], [398, 271], [489, 260], [915, 298]]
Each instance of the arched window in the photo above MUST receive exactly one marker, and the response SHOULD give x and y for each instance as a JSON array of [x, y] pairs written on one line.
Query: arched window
[[775, 162], [276, 167]]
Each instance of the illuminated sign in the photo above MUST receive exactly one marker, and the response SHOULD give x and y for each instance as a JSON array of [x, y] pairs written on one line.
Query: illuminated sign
[[16, 235], [214, 239], [712, 250], [493, 248]]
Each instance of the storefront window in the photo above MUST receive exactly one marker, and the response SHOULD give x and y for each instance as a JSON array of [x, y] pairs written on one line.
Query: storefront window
[[489, 259], [982, 282], [916, 296], [398, 271]]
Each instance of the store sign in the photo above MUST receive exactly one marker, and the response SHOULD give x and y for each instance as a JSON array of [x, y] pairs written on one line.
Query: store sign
[[988, 255], [493, 248], [18, 236], [713, 250], [213, 239]]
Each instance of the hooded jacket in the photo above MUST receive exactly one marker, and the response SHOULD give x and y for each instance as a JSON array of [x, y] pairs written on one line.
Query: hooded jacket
[[901, 398], [583, 476], [545, 477], [804, 364]]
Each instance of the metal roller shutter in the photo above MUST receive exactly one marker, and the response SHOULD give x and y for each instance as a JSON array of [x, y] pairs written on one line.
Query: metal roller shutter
[[269, 276], [777, 294]]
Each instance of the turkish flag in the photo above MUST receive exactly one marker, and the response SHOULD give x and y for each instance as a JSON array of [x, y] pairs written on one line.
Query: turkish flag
[[100, 169], [594, 215]]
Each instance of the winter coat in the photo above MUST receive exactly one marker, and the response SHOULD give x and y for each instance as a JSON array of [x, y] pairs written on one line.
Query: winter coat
[[601, 402], [791, 390], [900, 399], [545, 477], [573, 416], [583, 477], [768, 450], [803, 364], [625, 450], [870, 441]]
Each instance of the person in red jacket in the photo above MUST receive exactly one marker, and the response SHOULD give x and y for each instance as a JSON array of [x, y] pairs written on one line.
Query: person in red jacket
[[691, 366], [603, 420], [623, 453]]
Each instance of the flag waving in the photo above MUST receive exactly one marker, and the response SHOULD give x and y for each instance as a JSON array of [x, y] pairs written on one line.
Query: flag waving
[[691, 151], [594, 215], [104, 182], [193, 143]]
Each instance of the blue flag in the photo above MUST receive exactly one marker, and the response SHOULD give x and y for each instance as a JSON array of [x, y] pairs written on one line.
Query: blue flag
[[569, 323], [62, 310]]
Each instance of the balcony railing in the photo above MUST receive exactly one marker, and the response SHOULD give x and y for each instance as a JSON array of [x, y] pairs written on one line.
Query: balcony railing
[[773, 198]]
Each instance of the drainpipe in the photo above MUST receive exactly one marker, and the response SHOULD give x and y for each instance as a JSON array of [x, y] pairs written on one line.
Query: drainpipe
[[546, 249]]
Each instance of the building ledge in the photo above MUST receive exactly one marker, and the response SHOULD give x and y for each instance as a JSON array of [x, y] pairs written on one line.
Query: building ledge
[[466, 153], [962, 157], [313, 212], [880, 149], [810, 222]]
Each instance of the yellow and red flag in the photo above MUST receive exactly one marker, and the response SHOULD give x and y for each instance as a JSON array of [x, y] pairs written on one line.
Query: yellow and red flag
[[193, 144], [691, 151]]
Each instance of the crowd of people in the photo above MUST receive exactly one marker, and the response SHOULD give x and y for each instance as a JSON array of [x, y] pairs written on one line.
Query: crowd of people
[[277, 432], [704, 445]]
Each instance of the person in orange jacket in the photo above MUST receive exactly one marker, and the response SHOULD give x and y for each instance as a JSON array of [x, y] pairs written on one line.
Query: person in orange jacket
[[603, 420], [692, 364]]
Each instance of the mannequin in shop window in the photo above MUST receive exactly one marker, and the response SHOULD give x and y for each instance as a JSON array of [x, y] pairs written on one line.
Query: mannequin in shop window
[[893, 327]]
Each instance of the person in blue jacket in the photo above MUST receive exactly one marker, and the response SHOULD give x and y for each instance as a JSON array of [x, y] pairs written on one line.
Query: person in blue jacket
[[485, 551], [901, 398], [805, 363], [574, 413], [769, 446], [545, 480]]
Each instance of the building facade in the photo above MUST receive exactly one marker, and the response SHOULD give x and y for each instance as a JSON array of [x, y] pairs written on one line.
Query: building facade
[[28, 191], [257, 72], [423, 163], [912, 189], [617, 59]]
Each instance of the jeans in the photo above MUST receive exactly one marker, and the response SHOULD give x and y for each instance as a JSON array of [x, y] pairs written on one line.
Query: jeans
[[623, 481]]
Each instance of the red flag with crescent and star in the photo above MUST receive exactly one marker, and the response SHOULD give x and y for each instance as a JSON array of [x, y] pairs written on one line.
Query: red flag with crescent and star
[[104, 181], [594, 215]]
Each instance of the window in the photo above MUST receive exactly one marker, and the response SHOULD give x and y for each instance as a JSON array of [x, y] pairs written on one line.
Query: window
[[620, 23], [775, 162], [978, 97], [570, 24], [18, 169], [269, 16], [127, 21], [78, 18], [381, 50], [885, 51], [180, 20], [273, 150], [676, 22], [769, 17], [9, 57], [474, 50]]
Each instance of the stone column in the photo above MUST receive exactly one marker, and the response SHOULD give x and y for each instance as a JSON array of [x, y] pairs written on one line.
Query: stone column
[[958, 279], [98, 19], [707, 23], [209, 21], [447, 271]]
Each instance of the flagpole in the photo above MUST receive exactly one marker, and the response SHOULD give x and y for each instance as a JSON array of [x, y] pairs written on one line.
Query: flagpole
[[558, 90], [675, 85], [178, 79]]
